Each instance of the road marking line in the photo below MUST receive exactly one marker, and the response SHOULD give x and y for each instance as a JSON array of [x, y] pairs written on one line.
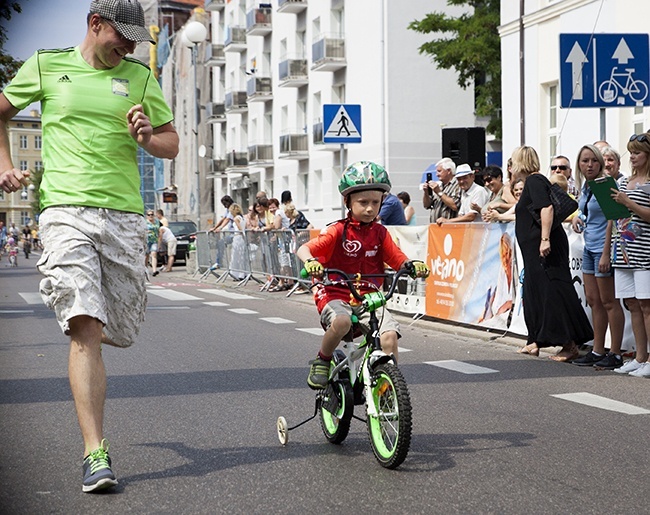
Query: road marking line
[[32, 297], [311, 330], [216, 303], [166, 307], [596, 401], [243, 311], [277, 320], [173, 295], [9, 311], [228, 294], [154, 287], [402, 349], [462, 367]]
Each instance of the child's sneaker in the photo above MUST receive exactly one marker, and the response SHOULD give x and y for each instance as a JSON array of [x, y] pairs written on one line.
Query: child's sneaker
[[97, 471], [629, 366], [318, 374]]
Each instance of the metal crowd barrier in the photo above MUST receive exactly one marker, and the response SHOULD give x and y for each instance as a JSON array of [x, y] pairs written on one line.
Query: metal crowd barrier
[[266, 257]]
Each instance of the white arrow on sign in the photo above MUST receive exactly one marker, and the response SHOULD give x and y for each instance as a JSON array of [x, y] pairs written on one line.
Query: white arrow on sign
[[577, 58], [623, 53]]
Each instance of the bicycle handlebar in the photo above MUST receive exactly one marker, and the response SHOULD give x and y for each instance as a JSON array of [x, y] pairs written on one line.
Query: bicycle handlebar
[[349, 280]]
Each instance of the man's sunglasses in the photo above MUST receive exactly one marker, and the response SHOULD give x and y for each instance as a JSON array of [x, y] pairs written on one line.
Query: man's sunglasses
[[639, 137], [561, 167]]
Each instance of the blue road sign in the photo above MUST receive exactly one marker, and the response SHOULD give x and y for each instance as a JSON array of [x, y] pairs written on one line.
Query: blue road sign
[[604, 70], [341, 123]]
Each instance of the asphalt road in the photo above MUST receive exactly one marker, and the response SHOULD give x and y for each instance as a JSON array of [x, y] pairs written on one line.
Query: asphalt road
[[191, 414]]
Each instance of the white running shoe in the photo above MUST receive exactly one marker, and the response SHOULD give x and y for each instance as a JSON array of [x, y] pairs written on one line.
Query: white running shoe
[[629, 366], [642, 371]]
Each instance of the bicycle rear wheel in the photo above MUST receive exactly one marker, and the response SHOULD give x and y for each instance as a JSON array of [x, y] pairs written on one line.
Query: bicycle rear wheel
[[390, 429], [335, 411]]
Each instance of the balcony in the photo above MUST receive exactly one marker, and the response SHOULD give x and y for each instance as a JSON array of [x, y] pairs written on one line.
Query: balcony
[[236, 102], [292, 6], [215, 5], [328, 54], [214, 55], [259, 89], [258, 21], [317, 137], [236, 161], [215, 113], [235, 40], [294, 145], [217, 169], [293, 73], [260, 155]]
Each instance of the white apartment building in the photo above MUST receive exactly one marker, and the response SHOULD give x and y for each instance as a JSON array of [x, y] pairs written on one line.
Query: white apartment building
[[263, 77], [531, 100]]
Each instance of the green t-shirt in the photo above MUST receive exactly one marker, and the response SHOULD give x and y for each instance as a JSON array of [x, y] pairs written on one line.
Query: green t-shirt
[[90, 159]]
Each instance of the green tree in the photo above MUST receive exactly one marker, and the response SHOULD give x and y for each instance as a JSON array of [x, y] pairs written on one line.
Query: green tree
[[469, 44], [8, 65]]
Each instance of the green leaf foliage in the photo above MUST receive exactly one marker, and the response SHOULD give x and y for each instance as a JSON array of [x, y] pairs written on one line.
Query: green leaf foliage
[[8, 65], [469, 44]]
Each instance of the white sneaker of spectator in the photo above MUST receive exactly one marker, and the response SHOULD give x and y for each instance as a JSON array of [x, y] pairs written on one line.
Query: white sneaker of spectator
[[642, 371], [629, 366]]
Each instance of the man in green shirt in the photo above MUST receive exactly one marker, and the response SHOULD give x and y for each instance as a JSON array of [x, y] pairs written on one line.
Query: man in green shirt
[[98, 106]]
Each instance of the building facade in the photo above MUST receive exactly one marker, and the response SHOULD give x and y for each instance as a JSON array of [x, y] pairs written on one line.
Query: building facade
[[532, 112], [25, 142], [263, 77]]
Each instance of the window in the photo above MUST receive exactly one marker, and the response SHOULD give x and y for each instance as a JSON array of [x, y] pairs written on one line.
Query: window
[[38, 166], [24, 218], [23, 166], [304, 183], [553, 131], [38, 142], [23, 142], [639, 122]]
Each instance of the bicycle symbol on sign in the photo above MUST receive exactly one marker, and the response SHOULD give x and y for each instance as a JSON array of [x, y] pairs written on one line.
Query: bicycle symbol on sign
[[613, 88]]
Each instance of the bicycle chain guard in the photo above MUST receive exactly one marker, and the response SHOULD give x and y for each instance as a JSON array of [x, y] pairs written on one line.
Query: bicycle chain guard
[[330, 400]]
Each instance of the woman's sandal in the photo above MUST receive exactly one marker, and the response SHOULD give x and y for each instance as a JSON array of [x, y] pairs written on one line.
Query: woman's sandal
[[279, 287], [531, 349]]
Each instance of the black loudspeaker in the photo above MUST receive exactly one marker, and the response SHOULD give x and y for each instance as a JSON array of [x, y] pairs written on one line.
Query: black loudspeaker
[[465, 145]]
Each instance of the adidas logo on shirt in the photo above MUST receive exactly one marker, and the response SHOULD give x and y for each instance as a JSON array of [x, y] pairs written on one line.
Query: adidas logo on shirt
[[64, 78]]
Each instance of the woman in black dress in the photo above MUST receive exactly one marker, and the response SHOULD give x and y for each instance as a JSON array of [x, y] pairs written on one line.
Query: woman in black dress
[[552, 310]]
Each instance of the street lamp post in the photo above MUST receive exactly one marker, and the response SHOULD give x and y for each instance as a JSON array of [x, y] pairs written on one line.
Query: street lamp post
[[193, 34]]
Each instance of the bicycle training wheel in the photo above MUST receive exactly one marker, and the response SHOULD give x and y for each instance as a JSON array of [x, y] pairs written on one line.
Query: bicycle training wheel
[[390, 428], [283, 430], [335, 411]]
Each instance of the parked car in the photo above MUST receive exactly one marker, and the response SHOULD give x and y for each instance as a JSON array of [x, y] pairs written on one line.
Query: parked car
[[185, 232]]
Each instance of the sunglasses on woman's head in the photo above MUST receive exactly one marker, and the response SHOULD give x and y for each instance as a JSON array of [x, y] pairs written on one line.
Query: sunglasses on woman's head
[[639, 137]]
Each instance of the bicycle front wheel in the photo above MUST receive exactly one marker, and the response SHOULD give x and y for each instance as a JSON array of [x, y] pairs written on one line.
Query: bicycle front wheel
[[390, 428]]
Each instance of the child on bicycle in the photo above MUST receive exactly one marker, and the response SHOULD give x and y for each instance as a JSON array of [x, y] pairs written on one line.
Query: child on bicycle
[[355, 245]]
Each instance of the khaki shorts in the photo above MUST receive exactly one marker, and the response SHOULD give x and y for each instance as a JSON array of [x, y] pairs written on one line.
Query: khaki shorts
[[338, 307], [93, 263], [171, 247]]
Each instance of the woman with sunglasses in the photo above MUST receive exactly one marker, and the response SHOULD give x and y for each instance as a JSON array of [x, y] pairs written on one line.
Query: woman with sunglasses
[[597, 275], [631, 254]]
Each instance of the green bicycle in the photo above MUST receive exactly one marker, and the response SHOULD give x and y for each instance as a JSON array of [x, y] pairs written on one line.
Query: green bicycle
[[361, 373]]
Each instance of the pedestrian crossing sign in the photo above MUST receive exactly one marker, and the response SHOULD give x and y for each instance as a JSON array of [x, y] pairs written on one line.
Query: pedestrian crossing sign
[[342, 123]]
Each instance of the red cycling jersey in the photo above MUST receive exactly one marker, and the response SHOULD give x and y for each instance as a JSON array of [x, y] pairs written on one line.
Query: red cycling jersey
[[353, 247]]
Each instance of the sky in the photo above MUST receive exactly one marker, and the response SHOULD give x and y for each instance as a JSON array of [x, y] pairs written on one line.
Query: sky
[[45, 24]]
